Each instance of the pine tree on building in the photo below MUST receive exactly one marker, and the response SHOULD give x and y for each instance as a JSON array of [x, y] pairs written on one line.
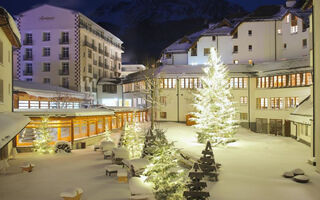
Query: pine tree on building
[[215, 114]]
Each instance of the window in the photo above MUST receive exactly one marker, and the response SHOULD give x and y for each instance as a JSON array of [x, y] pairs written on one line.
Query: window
[[46, 51], [65, 37], [206, 51], [294, 29], [163, 115], [46, 80], [168, 55], [89, 53], [46, 36], [243, 116], [90, 68], [29, 79], [29, 52], [1, 90], [284, 45], [163, 100], [279, 31], [243, 100], [249, 32], [46, 67], [304, 43], [288, 18], [235, 49], [65, 52], [65, 82], [109, 89], [241, 82], [262, 103], [250, 47], [28, 39], [194, 51], [65, 67], [213, 38], [236, 62]]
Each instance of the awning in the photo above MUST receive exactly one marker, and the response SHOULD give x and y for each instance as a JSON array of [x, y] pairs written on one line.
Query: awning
[[10, 125]]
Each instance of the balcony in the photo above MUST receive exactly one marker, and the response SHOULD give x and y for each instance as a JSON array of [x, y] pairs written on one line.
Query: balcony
[[95, 62], [65, 86], [27, 42], [63, 72], [27, 57], [86, 43], [100, 64], [64, 56], [27, 73], [64, 41], [87, 89]]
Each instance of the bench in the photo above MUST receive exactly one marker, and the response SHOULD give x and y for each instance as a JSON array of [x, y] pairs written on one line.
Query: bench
[[112, 169], [122, 176], [75, 195]]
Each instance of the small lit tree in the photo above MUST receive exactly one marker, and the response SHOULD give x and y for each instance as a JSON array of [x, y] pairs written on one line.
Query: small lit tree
[[133, 140], [43, 138], [215, 112], [163, 171]]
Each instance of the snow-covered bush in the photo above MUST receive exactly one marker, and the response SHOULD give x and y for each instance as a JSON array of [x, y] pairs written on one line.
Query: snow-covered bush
[[62, 146]]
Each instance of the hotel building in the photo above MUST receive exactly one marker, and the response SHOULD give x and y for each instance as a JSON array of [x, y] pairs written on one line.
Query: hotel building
[[63, 47]]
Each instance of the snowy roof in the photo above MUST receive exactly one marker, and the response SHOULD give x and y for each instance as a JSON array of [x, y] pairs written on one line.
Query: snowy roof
[[45, 90], [258, 69], [183, 44], [109, 81], [225, 27], [11, 124], [64, 112], [9, 27], [305, 108]]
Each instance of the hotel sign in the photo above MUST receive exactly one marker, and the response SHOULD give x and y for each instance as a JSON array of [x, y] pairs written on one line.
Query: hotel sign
[[46, 18]]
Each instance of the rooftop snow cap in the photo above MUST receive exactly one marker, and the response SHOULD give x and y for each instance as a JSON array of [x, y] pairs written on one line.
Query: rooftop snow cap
[[290, 3]]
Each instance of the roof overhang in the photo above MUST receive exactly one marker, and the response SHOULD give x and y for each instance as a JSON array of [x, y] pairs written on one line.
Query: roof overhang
[[9, 28]]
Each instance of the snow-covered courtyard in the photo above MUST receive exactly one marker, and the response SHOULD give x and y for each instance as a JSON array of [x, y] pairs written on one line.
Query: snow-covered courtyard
[[252, 168]]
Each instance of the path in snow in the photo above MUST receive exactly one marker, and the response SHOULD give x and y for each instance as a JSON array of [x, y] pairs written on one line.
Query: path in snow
[[251, 170], [252, 167]]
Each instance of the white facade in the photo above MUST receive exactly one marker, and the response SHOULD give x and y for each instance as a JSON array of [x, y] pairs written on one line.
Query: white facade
[[65, 48]]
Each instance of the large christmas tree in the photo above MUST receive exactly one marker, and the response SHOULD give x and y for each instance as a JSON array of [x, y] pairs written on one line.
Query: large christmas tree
[[133, 140], [215, 112]]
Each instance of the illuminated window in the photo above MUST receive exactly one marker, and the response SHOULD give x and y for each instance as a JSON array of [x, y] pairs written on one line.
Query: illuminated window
[[244, 100], [293, 80], [182, 83], [245, 82], [187, 83], [279, 81], [236, 83], [308, 79], [174, 83], [231, 82], [267, 82], [240, 82], [165, 83], [288, 18], [169, 83], [275, 81], [163, 115], [284, 80], [279, 31], [263, 81], [250, 62], [298, 82], [294, 29], [236, 62]]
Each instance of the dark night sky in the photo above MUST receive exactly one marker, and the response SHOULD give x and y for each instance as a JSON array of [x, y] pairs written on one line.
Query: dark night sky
[[17, 6]]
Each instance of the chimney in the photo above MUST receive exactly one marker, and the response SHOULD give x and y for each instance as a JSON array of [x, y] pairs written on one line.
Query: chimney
[[290, 3]]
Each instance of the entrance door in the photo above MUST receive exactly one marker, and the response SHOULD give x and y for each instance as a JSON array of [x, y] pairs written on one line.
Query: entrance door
[[276, 126], [262, 125], [287, 128]]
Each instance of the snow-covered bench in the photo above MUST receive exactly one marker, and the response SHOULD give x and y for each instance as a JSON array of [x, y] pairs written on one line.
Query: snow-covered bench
[[112, 169], [119, 154], [122, 175], [139, 189], [75, 195], [136, 166], [106, 145]]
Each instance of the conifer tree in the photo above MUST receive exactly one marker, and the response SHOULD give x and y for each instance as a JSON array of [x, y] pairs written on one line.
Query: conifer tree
[[215, 112], [43, 138], [133, 140]]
